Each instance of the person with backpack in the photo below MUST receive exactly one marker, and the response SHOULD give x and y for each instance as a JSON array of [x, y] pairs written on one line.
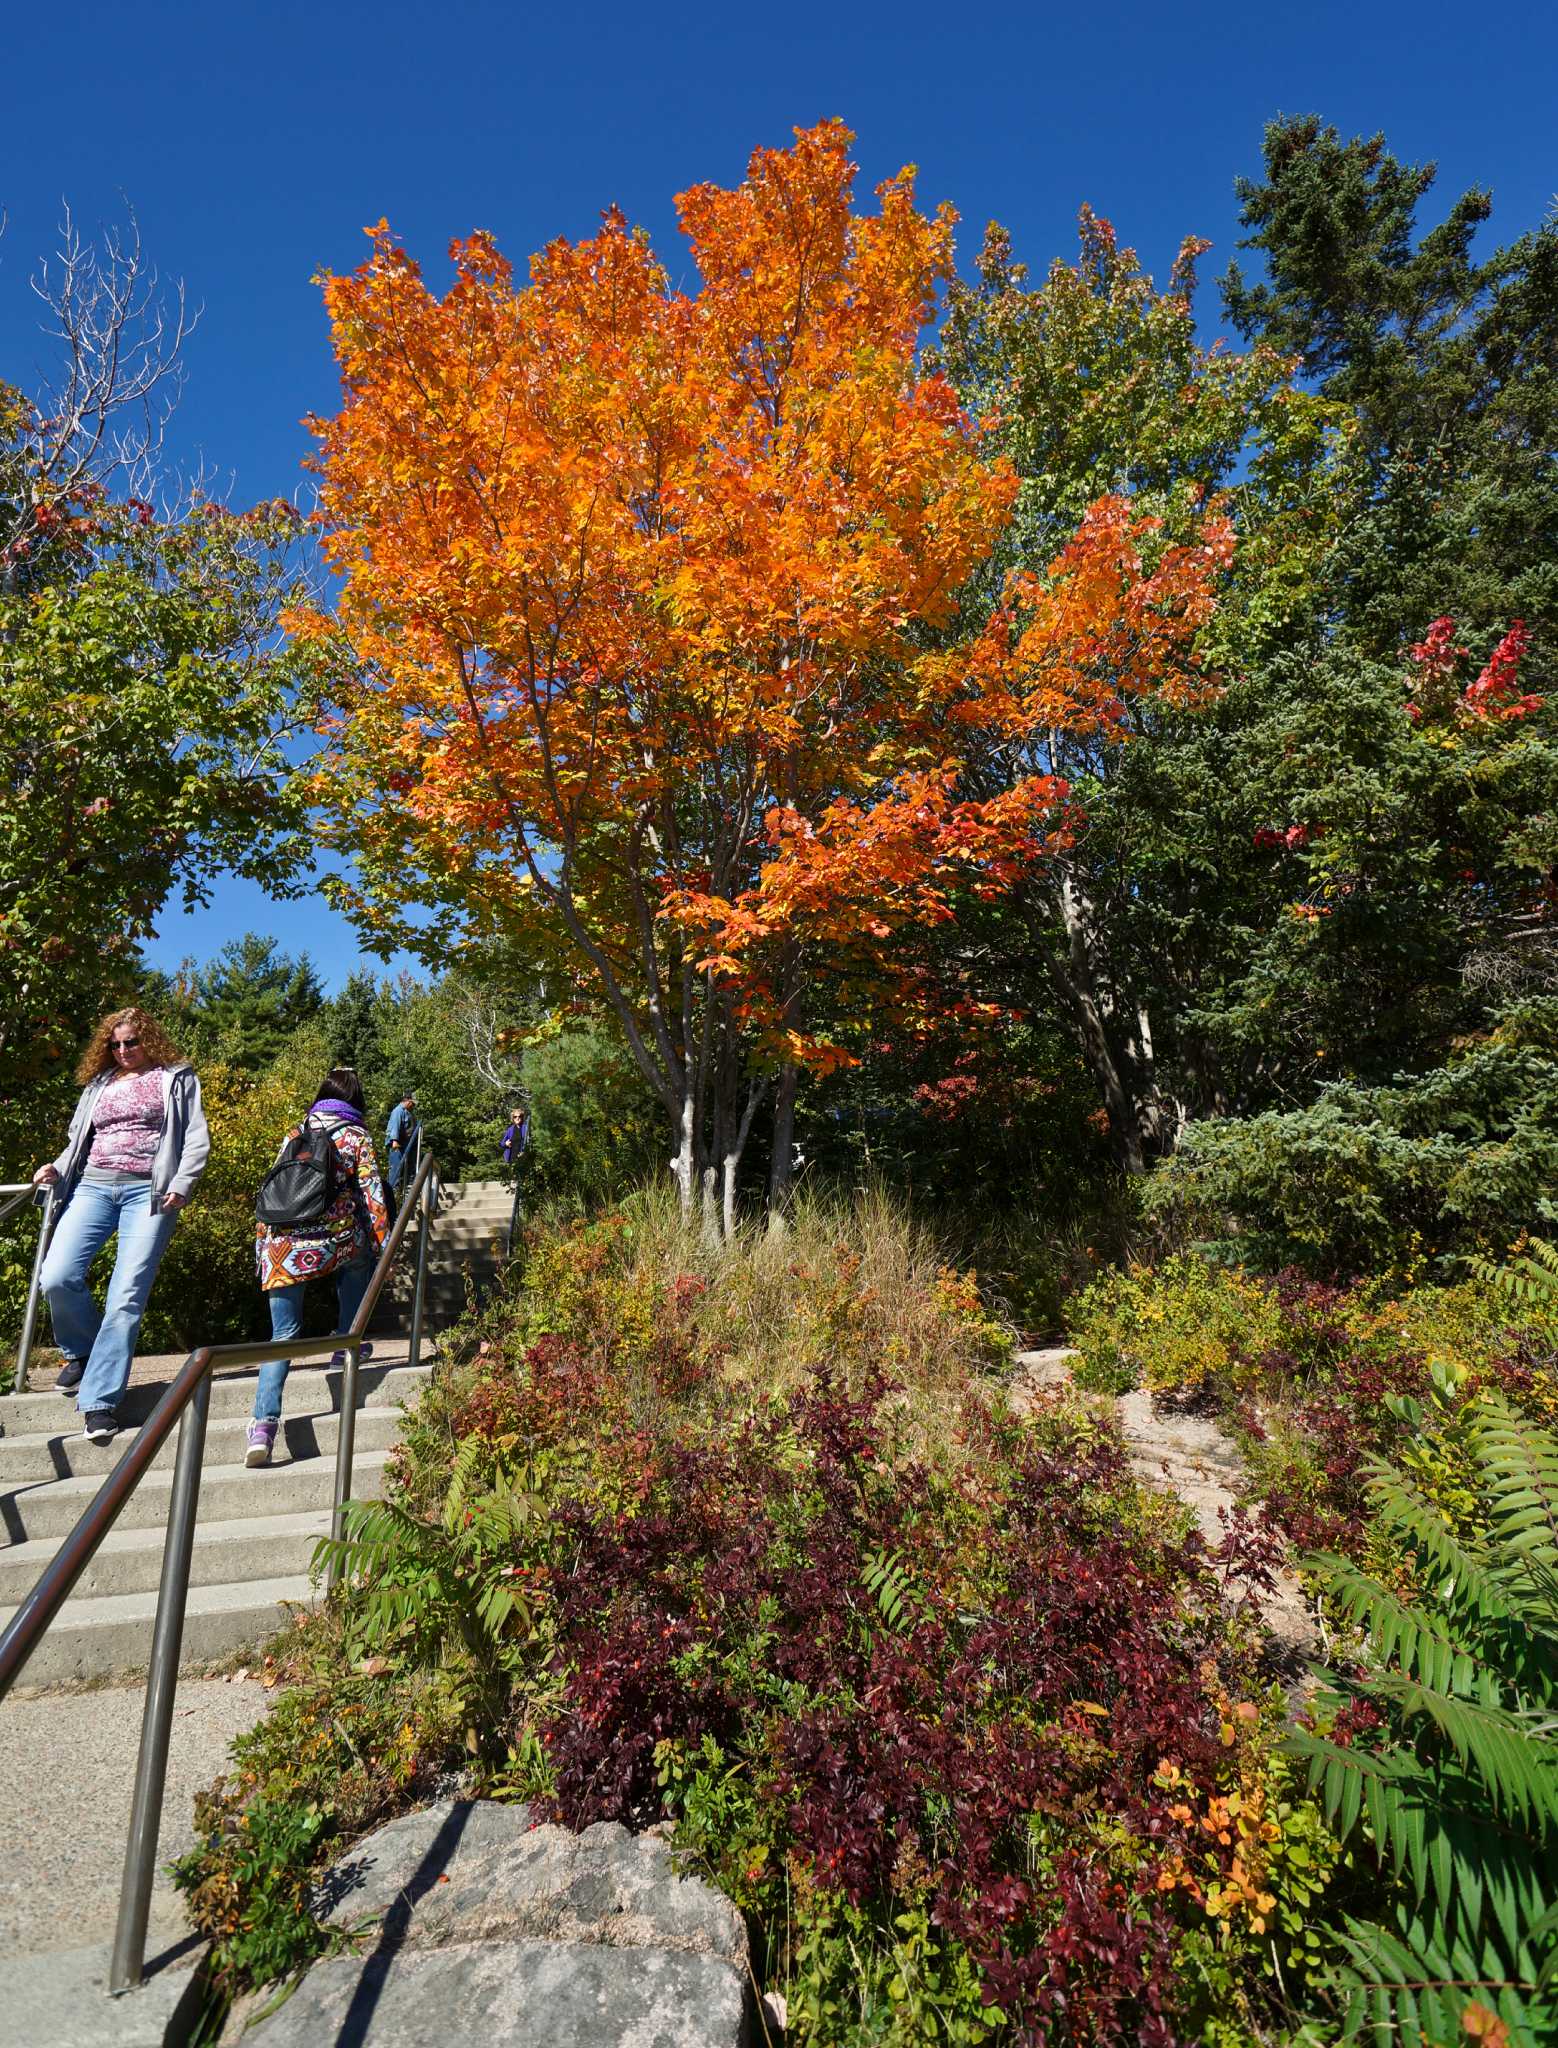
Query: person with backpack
[[321, 1212], [137, 1147]]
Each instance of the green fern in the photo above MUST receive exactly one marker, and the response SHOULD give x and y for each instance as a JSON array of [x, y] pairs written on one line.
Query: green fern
[[885, 1579], [1459, 1783], [442, 1595], [1531, 1275]]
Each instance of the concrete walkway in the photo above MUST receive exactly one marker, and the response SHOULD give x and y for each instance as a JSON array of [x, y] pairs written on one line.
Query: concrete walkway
[[67, 1764]]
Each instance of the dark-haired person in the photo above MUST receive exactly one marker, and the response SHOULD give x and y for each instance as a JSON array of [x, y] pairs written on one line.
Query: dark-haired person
[[137, 1147], [343, 1244], [400, 1135]]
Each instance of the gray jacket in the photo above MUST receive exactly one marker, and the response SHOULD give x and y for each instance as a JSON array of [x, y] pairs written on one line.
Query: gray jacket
[[182, 1150]]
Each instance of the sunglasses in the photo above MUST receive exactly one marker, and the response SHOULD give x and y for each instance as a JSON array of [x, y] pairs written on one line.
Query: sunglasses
[[124, 1044]]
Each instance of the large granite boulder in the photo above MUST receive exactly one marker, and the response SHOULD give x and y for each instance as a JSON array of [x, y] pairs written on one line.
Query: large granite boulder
[[472, 1925]]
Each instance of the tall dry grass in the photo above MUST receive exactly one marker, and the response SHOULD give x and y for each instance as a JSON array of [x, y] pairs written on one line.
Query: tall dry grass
[[846, 1288]]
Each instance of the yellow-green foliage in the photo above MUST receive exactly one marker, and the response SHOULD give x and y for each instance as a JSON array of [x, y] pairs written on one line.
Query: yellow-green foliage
[[1171, 1327], [1462, 1331], [1189, 1322]]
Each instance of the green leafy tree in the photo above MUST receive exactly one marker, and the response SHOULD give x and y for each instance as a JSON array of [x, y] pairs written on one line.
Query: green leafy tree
[[1449, 361], [248, 1004], [148, 687], [1096, 381], [351, 1021], [422, 1047], [594, 1131], [1321, 872]]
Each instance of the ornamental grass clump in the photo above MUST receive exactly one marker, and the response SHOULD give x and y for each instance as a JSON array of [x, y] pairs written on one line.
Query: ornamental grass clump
[[661, 1325]]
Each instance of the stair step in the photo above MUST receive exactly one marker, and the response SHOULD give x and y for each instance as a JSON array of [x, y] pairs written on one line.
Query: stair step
[[98, 1637], [67, 1455], [310, 1390], [130, 1560], [227, 1493]]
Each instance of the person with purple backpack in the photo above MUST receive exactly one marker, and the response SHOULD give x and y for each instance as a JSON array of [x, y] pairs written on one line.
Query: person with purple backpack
[[320, 1215]]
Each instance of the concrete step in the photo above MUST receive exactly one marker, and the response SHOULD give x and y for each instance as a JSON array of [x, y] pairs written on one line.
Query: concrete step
[[67, 1455], [258, 1546], [227, 1493], [310, 1390], [109, 1634]]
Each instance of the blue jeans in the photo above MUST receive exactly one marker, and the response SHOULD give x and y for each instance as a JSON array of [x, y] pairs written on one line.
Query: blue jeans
[[104, 1338], [286, 1320]]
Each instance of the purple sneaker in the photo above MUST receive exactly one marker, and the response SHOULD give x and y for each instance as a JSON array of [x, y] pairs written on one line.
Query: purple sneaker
[[338, 1358], [262, 1441]]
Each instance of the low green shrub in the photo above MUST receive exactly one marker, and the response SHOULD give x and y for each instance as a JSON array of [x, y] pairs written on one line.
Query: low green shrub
[[345, 1744], [1173, 1327], [1367, 1179], [444, 1596], [1308, 1375]]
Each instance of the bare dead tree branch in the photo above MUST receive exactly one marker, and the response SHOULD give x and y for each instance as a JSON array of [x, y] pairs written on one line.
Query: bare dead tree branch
[[101, 417], [481, 1029]]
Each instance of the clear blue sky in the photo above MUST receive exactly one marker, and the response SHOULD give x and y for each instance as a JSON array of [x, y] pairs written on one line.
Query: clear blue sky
[[255, 142]]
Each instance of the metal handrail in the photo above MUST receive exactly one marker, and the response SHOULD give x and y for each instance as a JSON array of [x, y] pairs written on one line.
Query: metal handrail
[[19, 1192], [187, 1401]]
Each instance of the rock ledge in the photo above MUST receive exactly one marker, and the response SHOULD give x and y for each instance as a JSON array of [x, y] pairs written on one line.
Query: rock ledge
[[475, 1926]]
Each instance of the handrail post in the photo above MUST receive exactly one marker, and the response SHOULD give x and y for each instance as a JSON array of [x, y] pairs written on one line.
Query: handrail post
[[345, 1444], [30, 1314], [429, 1203], [151, 1770]]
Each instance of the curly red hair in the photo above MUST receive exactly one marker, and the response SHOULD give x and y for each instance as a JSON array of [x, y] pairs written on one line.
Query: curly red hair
[[155, 1043]]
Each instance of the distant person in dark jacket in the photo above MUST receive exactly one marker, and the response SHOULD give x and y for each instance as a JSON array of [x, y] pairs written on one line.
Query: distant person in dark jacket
[[400, 1137], [137, 1147], [516, 1137]]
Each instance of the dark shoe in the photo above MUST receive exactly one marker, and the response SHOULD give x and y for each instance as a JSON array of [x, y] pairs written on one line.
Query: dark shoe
[[102, 1426], [339, 1358], [70, 1376]]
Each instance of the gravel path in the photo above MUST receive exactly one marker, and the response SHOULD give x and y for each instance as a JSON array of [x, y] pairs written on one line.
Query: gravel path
[[67, 1763]]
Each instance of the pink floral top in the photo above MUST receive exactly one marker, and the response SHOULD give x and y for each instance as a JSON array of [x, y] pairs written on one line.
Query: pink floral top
[[127, 1123]]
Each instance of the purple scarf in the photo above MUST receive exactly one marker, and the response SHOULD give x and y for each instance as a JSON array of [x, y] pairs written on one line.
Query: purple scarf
[[330, 1105]]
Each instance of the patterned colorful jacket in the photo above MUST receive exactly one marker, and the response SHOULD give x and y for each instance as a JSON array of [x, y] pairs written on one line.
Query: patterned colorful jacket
[[354, 1227]]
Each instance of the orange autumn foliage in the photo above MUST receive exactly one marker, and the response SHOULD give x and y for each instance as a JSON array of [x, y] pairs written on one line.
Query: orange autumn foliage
[[639, 582]]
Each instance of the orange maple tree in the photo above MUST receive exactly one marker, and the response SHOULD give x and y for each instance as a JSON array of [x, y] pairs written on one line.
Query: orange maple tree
[[639, 583]]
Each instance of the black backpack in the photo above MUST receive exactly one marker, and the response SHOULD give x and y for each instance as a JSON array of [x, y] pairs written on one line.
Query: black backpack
[[302, 1184]]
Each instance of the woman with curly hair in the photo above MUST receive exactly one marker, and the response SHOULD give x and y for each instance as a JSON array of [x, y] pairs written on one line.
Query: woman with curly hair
[[137, 1147]]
